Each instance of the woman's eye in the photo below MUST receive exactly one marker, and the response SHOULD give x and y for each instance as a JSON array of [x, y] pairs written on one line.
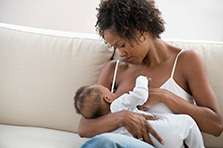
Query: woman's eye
[[122, 46]]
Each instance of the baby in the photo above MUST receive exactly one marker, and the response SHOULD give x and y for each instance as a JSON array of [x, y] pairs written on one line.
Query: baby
[[97, 100]]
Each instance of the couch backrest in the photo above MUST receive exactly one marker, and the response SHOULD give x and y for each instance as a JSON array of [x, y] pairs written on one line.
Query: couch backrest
[[40, 71]]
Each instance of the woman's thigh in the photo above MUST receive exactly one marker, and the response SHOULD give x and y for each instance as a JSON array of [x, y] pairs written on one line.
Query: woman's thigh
[[112, 140]]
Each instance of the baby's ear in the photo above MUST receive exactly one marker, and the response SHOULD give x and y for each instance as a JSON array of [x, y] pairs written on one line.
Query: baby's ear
[[107, 99]]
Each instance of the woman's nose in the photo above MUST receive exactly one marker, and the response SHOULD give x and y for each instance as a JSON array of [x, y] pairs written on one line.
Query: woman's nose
[[122, 53]]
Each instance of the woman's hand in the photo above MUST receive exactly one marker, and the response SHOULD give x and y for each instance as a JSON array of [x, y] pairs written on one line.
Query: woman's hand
[[137, 125], [156, 95]]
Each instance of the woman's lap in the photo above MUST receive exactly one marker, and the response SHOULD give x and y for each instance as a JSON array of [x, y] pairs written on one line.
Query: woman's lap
[[112, 140]]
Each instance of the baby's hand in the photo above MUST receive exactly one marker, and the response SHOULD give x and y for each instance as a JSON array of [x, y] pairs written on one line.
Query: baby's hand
[[149, 79]]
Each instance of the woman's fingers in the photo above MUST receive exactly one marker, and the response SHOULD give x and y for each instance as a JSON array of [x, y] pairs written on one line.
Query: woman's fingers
[[142, 108], [139, 127], [154, 133], [146, 137], [143, 136], [148, 117], [148, 129]]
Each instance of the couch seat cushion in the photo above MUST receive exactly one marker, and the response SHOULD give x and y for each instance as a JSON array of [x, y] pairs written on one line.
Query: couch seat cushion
[[33, 137]]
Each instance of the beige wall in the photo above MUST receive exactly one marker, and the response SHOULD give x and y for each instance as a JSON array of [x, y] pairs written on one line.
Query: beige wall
[[185, 19], [66, 15]]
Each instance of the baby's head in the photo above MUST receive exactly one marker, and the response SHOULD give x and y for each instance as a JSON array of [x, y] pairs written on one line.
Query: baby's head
[[93, 101]]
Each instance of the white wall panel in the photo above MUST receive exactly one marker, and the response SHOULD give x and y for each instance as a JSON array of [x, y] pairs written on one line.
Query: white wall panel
[[185, 19]]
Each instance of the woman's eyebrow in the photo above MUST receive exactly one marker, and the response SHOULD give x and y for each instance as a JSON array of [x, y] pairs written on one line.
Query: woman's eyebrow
[[117, 42]]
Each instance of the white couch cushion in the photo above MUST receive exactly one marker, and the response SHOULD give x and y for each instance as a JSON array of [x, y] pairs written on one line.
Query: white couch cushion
[[40, 72], [30, 137]]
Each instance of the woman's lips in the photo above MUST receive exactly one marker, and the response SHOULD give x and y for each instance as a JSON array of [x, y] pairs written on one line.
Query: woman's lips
[[129, 58]]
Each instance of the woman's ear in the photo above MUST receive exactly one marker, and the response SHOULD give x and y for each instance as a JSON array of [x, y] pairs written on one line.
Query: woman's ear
[[142, 36], [107, 99]]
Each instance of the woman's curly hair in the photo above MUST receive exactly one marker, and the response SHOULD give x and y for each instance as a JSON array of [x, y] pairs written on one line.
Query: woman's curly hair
[[126, 17]]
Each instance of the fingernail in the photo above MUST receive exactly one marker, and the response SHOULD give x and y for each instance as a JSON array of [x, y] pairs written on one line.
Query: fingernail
[[162, 142]]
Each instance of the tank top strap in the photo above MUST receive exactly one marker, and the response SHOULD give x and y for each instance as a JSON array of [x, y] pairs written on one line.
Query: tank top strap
[[114, 77], [175, 63]]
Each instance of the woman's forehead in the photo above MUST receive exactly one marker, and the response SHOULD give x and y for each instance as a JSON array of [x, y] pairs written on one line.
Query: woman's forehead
[[111, 37]]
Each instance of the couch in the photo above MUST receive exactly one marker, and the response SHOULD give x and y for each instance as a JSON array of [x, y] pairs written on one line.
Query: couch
[[40, 70]]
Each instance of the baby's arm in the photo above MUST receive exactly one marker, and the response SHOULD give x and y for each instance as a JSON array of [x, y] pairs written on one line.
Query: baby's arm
[[140, 93], [138, 96]]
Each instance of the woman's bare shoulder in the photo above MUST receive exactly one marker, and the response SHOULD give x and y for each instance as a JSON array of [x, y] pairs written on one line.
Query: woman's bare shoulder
[[192, 59], [109, 65], [192, 65], [122, 64], [192, 53], [106, 74], [195, 73]]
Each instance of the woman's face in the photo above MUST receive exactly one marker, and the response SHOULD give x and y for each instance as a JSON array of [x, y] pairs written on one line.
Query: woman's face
[[133, 53]]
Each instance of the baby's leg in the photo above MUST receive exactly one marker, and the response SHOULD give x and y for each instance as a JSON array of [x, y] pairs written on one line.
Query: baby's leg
[[193, 135], [174, 129], [168, 129]]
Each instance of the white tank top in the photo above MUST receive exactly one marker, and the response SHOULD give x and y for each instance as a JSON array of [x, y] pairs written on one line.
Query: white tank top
[[169, 85]]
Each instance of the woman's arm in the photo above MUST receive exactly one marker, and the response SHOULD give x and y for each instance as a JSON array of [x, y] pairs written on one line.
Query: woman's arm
[[208, 120], [110, 122], [206, 113], [107, 123]]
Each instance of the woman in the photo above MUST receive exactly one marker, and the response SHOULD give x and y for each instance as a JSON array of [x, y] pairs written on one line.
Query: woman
[[179, 77]]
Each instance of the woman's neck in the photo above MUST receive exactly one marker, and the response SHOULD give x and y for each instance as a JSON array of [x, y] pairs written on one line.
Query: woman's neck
[[158, 52]]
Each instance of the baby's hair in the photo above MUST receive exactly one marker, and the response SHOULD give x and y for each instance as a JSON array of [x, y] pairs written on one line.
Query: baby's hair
[[88, 97]]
